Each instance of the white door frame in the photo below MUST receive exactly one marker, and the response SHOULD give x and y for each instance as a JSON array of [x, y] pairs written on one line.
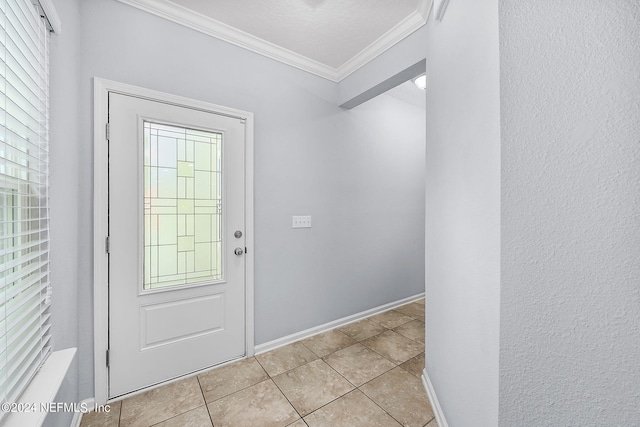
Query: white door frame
[[102, 88]]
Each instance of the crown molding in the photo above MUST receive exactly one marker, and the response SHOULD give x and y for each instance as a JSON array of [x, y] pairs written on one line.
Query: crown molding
[[440, 7], [204, 24], [403, 29], [424, 7]]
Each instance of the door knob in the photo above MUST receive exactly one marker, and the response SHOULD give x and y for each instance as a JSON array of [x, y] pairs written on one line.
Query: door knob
[[238, 251]]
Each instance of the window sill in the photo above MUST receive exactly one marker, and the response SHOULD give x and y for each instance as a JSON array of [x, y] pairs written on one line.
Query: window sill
[[41, 390]]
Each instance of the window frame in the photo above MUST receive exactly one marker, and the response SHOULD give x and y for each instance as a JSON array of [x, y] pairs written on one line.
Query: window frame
[[32, 21]]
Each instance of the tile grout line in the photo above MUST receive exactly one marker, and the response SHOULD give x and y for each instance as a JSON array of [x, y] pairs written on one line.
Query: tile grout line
[[270, 377], [289, 370], [304, 364], [396, 365], [355, 387], [287, 399], [206, 405], [192, 409], [332, 368], [305, 346], [366, 395], [337, 398], [378, 405], [429, 420], [358, 387], [280, 390], [237, 391], [386, 358]]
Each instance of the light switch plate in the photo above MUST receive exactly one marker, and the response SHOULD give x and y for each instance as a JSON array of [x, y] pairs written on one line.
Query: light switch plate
[[301, 221]]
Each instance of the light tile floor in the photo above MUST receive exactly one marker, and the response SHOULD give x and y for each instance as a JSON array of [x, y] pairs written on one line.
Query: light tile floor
[[363, 374]]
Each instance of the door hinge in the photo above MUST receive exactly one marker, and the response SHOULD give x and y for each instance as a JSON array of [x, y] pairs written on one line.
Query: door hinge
[[107, 131], [245, 249], [107, 358], [106, 244]]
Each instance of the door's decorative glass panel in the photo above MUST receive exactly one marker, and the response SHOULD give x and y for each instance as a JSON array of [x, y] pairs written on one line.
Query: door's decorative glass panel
[[182, 206]]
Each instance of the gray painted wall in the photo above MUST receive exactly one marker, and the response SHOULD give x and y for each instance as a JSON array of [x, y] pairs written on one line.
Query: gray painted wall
[[463, 211], [403, 55], [570, 309], [359, 173], [64, 207], [568, 149]]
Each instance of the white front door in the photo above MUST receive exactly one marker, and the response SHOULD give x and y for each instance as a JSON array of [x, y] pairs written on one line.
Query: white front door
[[176, 241]]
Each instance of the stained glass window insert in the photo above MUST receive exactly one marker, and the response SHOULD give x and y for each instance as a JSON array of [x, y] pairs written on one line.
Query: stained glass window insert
[[182, 206]]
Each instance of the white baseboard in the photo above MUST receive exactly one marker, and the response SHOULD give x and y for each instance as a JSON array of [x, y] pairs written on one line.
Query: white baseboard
[[280, 342], [435, 404]]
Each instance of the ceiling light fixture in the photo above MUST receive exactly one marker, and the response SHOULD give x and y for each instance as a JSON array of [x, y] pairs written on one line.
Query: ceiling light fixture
[[421, 81]]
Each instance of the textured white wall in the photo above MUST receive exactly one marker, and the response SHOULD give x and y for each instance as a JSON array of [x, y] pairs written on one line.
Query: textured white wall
[[359, 173], [570, 309], [463, 212]]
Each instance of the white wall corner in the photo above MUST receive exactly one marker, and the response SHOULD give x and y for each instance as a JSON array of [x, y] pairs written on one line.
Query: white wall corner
[[435, 404]]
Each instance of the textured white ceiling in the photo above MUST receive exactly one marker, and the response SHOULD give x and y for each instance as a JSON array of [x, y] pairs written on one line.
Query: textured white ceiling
[[330, 32]]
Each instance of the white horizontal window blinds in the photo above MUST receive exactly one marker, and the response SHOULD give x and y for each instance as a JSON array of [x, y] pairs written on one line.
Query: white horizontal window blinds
[[24, 212]]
